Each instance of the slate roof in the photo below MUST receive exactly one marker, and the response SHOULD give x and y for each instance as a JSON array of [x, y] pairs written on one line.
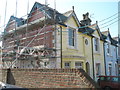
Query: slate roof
[[86, 30], [19, 21], [106, 34], [104, 37], [60, 18], [114, 42]]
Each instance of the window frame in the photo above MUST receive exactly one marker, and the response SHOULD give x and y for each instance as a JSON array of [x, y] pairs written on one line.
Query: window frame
[[98, 69], [72, 44], [96, 45], [67, 63], [81, 66], [110, 69], [108, 49]]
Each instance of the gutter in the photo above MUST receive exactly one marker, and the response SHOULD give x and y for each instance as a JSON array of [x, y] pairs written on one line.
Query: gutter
[[61, 45]]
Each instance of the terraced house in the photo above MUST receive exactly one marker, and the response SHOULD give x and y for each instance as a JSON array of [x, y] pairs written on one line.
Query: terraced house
[[49, 39], [72, 51], [85, 39], [96, 51], [110, 49], [32, 42], [83, 47], [46, 39]]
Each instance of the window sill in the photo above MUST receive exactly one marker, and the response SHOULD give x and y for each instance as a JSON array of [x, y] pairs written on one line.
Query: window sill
[[72, 47], [97, 52], [109, 55]]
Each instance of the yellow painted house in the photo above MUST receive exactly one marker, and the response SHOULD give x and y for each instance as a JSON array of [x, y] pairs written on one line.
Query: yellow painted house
[[98, 52], [82, 47], [97, 47], [76, 46], [72, 53]]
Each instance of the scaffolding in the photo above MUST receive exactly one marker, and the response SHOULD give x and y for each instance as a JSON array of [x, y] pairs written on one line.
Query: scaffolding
[[21, 34]]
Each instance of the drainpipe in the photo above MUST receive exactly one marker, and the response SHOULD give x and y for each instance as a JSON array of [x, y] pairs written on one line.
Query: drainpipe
[[61, 45], [93, 58], [84, 52], [104, 57]]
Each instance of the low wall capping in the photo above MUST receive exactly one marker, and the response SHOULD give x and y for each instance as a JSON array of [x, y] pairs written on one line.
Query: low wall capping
[[50, 78]]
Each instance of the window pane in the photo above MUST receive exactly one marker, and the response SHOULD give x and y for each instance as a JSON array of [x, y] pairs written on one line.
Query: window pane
[[108, 48], [102, 78], [71, 37], [96, 44], [115, 79], [98, 69], [78, 64], [67, 64], [110, 69]]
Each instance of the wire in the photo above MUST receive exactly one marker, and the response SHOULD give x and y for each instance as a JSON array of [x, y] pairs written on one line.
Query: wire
[[108, 21], [108, 17], [111, 23], [103, 23]]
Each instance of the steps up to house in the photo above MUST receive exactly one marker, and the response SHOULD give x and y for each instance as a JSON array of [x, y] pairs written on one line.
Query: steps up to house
[[49, 78]]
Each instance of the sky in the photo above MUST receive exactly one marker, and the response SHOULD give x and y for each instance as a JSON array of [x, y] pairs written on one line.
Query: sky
[[98, 11]]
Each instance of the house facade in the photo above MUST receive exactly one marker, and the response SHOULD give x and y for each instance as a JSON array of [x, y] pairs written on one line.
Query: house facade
[[76, 51], [49, 39], [71, 52], [98, 52], [97, 49], [118, 55], [110, 51], [31, 42], [46, 39]]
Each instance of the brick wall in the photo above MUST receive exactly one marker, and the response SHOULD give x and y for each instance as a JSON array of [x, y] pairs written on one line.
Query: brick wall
[[48, 78]]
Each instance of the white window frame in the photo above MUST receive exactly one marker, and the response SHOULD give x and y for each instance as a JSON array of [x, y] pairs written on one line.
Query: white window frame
[[67, 66], [108, 48], [98, 45], [81, 64], [98, 69], [75, 38], [110, 67]]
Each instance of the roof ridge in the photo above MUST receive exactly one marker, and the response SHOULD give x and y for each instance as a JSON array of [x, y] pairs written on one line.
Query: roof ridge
[[47, 6]]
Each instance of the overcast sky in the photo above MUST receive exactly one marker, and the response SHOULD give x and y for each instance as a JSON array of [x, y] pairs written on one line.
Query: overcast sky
[[98, 10]]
